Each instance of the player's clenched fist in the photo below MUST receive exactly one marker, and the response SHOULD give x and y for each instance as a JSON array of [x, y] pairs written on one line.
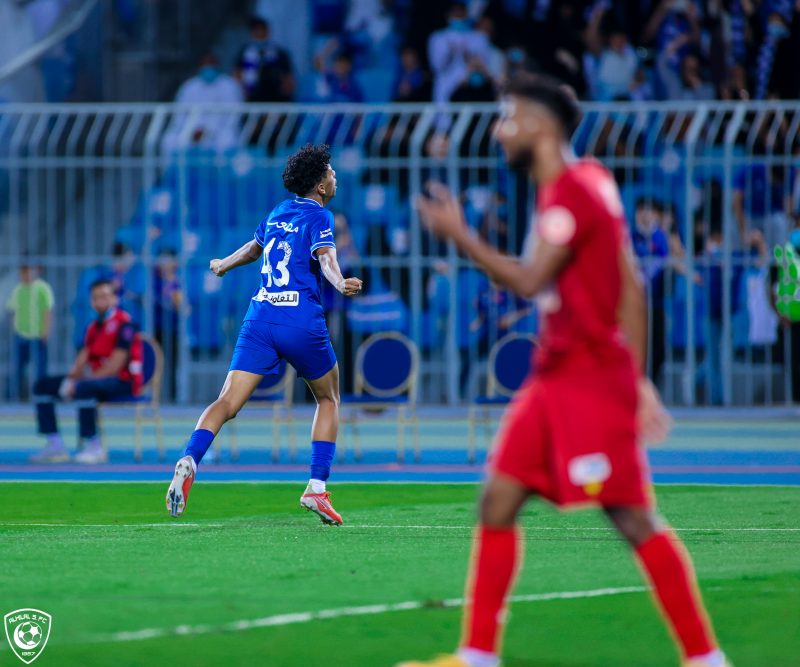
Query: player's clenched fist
[[216, 267], [351, 286], [441, 212]]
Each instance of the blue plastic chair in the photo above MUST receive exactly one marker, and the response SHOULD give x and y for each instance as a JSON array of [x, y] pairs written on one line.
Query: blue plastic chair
[[509, 366], [386, 372], [147, 405], [274, 391]]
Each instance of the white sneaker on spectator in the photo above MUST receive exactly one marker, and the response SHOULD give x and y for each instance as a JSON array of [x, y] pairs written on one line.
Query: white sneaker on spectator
[[92, 453], [53, 452]]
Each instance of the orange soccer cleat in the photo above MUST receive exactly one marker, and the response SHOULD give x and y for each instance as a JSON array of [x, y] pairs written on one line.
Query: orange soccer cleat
[[182, 481], [320, 504]]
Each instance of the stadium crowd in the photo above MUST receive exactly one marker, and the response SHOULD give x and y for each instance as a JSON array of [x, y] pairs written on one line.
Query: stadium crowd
[[463, 50], [439, 50]]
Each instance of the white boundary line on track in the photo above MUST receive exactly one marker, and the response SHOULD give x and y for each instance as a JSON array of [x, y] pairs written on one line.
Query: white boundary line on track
[[180, 524], [325, 614]]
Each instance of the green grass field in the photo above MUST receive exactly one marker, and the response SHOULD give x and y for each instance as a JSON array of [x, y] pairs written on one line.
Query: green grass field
[[111, 562]]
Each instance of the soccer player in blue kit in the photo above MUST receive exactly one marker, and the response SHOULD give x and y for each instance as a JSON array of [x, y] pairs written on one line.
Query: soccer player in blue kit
[[284, 323]]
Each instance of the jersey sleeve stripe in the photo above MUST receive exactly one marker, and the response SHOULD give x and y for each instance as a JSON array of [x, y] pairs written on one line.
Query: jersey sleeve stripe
[[258, 240]]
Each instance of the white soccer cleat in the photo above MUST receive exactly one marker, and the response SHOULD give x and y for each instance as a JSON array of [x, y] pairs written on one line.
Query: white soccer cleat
[[178, 492], [717, 660], [92, 455]]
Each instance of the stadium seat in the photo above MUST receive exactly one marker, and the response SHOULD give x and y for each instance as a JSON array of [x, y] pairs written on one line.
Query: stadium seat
[[275, 391], [509, 365], [149, 398], [386, 372]]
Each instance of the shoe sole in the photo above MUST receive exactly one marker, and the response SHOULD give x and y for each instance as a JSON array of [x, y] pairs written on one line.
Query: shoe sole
[[50, 459], [325, 518], [176, 503]]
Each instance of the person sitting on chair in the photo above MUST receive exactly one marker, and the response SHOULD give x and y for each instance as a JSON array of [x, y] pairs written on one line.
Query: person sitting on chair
[[108, 366]]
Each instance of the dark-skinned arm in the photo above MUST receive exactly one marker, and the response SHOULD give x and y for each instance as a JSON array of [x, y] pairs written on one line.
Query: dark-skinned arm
[[247, 254], [525, 277], [442, 215]]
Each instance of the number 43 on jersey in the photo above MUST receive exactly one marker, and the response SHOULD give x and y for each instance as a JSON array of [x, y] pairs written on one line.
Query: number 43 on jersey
[[281, 268]]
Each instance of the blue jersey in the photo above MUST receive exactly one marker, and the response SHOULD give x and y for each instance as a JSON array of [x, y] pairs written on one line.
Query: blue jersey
[[290, 275]]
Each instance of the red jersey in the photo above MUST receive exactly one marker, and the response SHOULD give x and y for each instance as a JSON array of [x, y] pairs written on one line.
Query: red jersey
[[582, 209], [116, 331]]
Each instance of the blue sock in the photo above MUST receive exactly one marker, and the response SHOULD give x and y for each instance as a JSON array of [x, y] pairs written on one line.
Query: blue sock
[[198, 444], [321, 458]]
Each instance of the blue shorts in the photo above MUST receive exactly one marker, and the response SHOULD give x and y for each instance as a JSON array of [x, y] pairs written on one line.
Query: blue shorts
[[261, 347]]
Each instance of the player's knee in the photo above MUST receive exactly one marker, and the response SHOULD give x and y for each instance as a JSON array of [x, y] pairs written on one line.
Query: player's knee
[[636, 525], [228, 408], [329, 399], [495, 511]]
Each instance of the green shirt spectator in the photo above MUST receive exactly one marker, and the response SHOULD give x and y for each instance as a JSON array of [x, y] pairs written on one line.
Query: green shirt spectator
[[31, 302]]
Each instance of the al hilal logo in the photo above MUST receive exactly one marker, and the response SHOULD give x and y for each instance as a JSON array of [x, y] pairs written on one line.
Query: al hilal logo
[[27, 631]]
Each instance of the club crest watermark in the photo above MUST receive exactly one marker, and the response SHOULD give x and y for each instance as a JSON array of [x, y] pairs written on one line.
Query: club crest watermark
[[27, 631]]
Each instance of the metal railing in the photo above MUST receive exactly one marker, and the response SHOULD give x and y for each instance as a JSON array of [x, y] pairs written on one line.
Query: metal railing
[[195, 181]]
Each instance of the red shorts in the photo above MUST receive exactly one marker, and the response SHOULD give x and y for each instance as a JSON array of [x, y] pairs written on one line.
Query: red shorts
[[572, 439]]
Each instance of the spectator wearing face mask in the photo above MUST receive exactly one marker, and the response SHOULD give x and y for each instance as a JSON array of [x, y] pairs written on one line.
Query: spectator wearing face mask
[[477, 86], [688, 82], [210, 129], [263, 67], [450, 49]]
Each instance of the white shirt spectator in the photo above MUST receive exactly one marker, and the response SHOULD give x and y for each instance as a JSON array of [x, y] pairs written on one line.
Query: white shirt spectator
[[205, 127], [764, 322], [448, 52], [614, 73]]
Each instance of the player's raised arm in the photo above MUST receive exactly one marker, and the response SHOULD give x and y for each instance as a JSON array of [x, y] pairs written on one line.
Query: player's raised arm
[[247, 254], [329, 265], [442, 215]]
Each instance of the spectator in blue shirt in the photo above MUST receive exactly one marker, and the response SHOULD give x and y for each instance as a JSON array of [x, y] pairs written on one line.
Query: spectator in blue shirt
[[339, 84], [263, 67], [651, 245], [413, 82]]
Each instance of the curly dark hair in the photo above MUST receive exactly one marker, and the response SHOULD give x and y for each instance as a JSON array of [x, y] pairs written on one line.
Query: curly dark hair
[[306, 168]]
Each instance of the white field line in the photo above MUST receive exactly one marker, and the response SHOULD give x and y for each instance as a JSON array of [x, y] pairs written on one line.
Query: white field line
[[180, 524], [367, 610], [577, 528], [115, 525]]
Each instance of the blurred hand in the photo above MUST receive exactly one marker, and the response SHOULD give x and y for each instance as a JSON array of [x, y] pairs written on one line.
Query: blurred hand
[[653, 421], [216, 267], [441, 213], [67, 389], [351, 286]]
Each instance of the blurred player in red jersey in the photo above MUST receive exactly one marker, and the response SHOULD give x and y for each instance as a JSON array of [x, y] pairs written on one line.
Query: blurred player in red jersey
[[572, 434]]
